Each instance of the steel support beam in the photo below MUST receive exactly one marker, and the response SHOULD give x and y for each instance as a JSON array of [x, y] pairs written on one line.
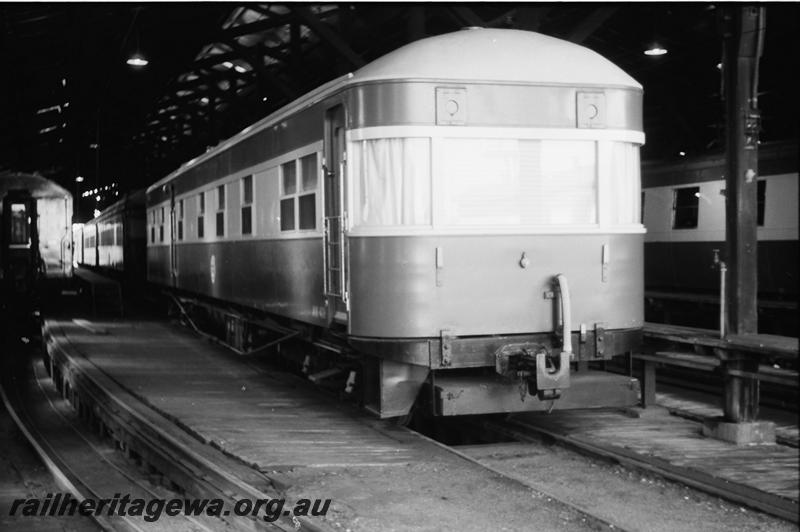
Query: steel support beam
[[270, 23], [591, 24], [328, 35], [468, 15], [530, 18]]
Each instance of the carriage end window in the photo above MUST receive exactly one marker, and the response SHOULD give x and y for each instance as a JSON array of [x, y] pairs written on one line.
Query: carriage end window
[[20, 225], [685, 206]]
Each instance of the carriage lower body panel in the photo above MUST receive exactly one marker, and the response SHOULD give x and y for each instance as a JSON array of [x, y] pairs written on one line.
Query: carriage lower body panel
[[431, 313]]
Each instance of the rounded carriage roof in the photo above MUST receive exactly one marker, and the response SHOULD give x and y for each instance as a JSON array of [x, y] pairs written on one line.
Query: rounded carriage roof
[[505, 55], [38, 186]]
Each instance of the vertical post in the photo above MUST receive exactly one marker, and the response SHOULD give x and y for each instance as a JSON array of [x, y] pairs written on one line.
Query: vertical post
[[648, 383], [740, 404], [723, 311], [743, 43]]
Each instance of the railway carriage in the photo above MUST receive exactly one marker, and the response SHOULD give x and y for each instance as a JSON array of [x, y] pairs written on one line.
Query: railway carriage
[[684, 212], [115, 241], [35, 239], [462, 212]]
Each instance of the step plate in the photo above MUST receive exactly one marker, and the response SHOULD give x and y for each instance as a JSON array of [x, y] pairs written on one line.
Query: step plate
[[470, 395]]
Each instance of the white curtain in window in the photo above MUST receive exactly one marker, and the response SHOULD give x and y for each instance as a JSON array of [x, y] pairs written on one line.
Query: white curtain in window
[[393, 182], [519, 182], [625, 183], [620, 183]]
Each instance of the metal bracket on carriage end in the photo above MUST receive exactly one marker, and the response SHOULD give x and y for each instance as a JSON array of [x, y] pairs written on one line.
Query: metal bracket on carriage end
[[599, 339], [446, 347], [549, 378]]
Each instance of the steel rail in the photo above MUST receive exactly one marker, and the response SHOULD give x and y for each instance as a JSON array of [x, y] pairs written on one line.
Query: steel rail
[[63, 475], [170, 449], [738, 493], [102, 457], [600, 523]]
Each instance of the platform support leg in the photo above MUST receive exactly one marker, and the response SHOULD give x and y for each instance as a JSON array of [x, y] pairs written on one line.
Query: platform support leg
[[741, 393], [648, 383], [738, 425]]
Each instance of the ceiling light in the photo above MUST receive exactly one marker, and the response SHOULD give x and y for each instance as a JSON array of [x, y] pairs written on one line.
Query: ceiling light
[[655, 50], [719, 66], [682, 153], [79, 179], [137, 60], [227, 64], [240, 69], [44, 110]]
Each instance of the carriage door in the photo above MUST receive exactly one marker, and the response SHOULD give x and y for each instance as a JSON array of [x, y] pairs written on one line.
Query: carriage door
[[333, 192], [173, 252]]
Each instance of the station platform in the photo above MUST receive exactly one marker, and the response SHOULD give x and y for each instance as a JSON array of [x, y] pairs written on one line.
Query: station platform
[[379, 476], [763, 344]]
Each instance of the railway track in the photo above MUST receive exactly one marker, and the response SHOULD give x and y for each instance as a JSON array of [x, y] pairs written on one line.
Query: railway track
[[72, 436], [84, 465], [195, 469], [515, 434], [525, 432]]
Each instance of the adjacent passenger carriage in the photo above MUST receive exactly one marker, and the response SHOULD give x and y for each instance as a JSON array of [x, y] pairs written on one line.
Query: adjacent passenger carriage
[[448, 209], [114, 241], [35, 239], [684, 211]]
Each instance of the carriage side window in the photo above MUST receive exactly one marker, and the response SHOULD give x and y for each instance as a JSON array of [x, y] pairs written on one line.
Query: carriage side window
[[685, 208], [762, 201], [180, 219], [307, 200], [153, 226], [221, 210], [201, 210], [161, 226], [247, 205], [288, 192]]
